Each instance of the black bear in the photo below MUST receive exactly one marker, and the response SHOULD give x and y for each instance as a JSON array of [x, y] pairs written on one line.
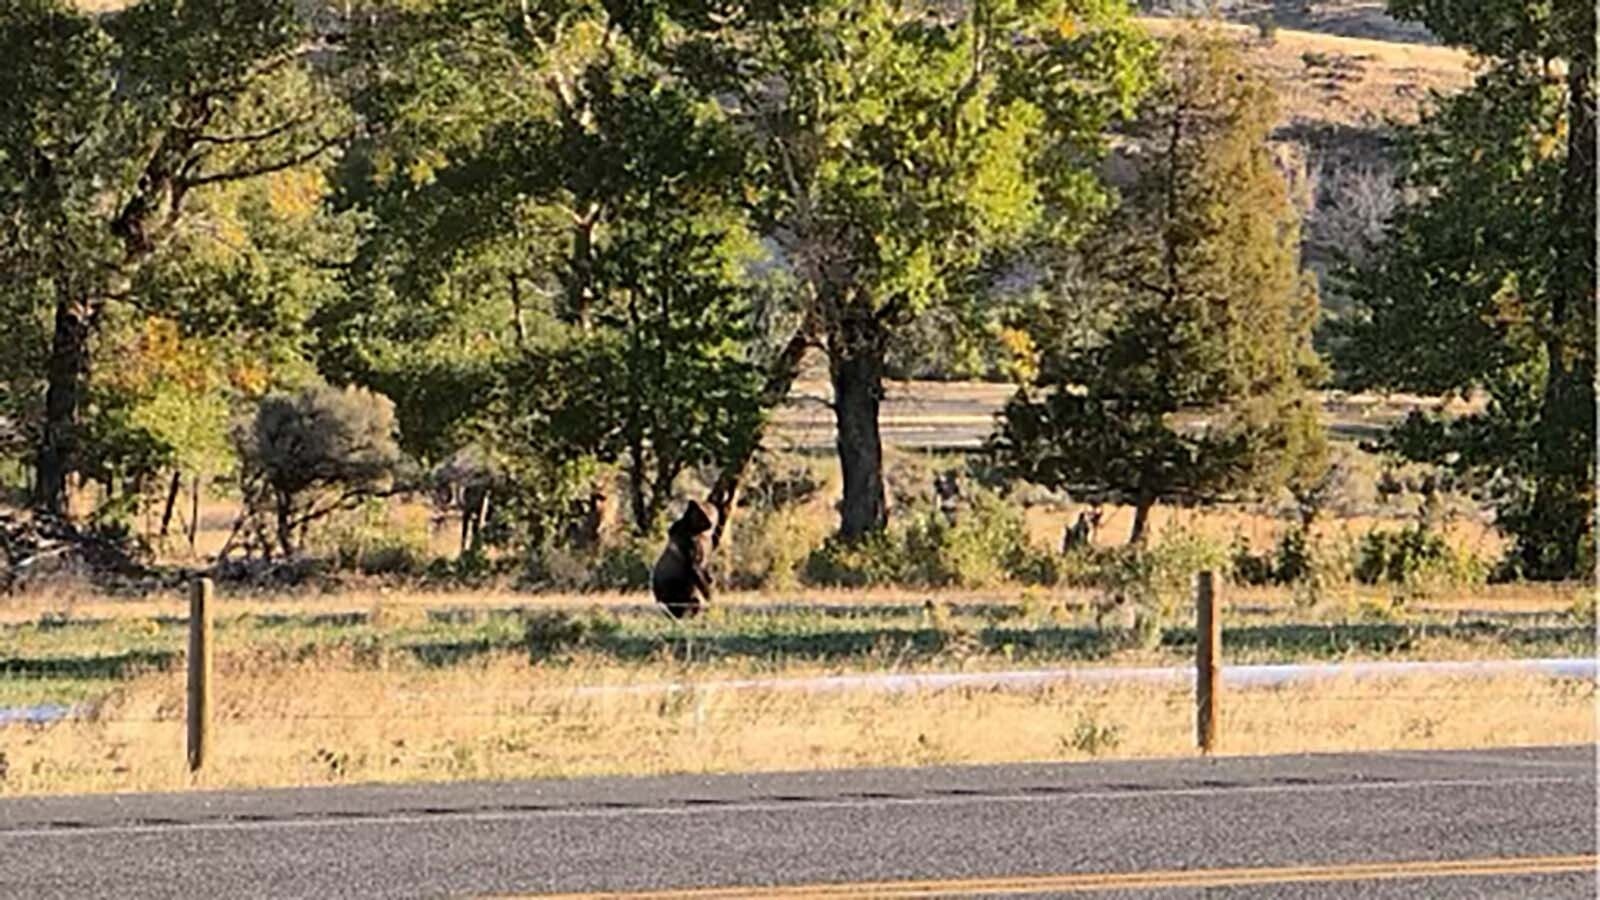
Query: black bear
[[680, 580]]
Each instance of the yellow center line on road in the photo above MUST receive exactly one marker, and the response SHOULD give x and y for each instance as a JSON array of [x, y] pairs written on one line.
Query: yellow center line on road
[[1119, 881]]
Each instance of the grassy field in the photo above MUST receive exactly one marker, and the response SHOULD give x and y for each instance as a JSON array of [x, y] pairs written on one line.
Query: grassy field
[[327, 720], [314, 691]]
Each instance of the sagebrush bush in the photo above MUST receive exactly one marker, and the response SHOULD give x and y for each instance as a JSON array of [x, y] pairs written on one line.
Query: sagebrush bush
[[319, 440]]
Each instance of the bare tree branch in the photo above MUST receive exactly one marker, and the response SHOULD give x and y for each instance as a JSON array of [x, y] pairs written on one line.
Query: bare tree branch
[[280, 165], [257, 136]]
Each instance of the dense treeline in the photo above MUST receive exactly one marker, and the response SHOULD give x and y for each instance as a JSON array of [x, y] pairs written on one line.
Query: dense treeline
[[548, 260]]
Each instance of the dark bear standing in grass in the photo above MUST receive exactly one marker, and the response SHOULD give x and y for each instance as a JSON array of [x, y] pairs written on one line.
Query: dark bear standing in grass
[[680, 580]]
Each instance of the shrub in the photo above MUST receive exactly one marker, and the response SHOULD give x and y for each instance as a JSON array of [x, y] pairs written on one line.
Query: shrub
[[769, 550], [872, 560], [366, 542], [986, 545], [1329, 564], [471, 567], [1293, 563], [623, 564], [1249, 567], [1267, 29], [778, 482], [1413, 557], [320, 439], [1583, 608], [1153, 583], [1289, 562], [1092, 738]]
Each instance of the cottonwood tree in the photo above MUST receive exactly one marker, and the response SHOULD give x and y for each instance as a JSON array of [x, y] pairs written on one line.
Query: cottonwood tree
[[575, 202], [113, 128], [903, 149], [1485, 278], [1174, 360]]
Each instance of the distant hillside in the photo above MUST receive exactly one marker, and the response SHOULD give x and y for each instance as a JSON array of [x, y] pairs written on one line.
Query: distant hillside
[[1345, 18], [1344, 82], [1346, 73], [1341, 98]]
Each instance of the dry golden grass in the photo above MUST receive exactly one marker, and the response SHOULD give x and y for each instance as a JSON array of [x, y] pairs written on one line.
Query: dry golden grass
[[1222, 523], [322, 723], [1335, 80]]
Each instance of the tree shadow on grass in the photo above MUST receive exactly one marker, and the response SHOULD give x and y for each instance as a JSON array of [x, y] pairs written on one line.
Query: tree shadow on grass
[[110, 666], [901, 644], [1331, 641], [1049, 643]]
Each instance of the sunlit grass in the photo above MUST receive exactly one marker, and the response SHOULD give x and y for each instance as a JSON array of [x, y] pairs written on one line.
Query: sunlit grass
[[328, 721]]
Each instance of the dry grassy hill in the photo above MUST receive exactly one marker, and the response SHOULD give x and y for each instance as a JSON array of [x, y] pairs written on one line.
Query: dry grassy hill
[[1345, 82], [1346, 74]]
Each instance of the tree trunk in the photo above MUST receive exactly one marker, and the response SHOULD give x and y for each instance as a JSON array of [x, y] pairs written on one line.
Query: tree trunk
[[1141, 519], [518, 324], [469, 519], [285, 524], [172, 502], [855, 362], [194, 512], [781, 373], [481, 519], [66, 374], [580, 285]]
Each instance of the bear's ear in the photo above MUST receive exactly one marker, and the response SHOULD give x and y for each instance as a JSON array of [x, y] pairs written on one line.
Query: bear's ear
[[695, 517]]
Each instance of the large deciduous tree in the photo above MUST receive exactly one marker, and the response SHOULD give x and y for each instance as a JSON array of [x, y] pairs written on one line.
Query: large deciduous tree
[[1485, 280], [903, 148], [1175, 357], [547, 180], [113, 127]]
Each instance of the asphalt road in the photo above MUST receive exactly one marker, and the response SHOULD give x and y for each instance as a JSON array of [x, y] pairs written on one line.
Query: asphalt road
[[1511, 823]]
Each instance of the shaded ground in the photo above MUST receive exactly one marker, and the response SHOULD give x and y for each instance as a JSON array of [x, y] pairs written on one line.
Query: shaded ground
[[62, 660]]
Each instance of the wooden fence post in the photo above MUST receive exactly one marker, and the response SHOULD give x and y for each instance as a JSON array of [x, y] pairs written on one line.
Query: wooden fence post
[[199, 709], [1208, 662]]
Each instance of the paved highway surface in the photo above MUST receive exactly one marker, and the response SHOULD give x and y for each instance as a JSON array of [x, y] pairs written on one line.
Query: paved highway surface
[[1507, 823]]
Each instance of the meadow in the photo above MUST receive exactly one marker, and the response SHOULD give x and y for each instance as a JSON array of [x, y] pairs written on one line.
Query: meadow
[[380, 661], [391, 686]]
